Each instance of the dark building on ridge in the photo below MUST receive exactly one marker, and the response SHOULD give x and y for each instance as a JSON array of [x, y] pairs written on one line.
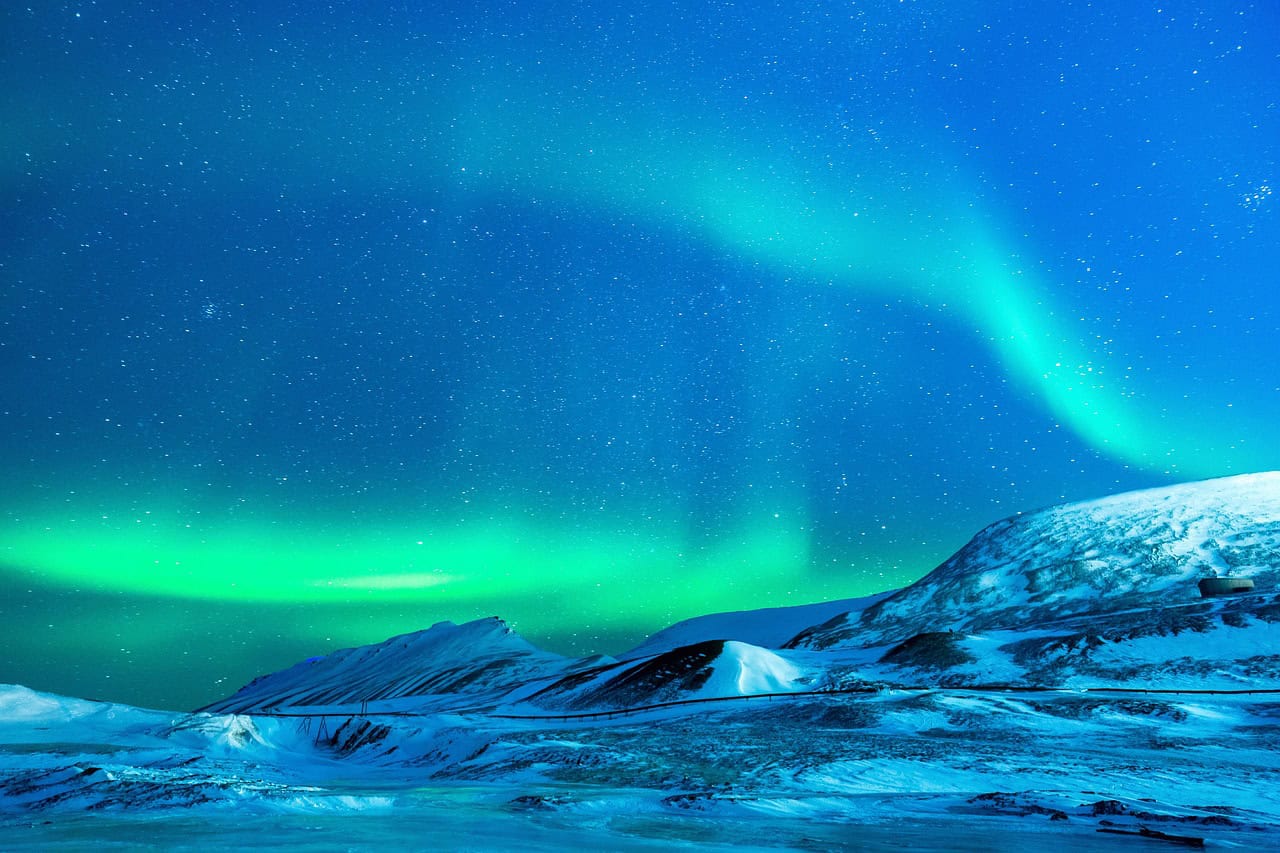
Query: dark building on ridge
[[1209, 587]]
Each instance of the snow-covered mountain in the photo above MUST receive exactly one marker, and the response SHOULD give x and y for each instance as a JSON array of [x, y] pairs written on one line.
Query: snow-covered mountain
[[1103, 590], [709, 669], [446, 664], [769, 627], [1137, 550]]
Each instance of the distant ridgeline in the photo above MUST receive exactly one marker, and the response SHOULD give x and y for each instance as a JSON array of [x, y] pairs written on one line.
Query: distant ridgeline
[[1094, 594]]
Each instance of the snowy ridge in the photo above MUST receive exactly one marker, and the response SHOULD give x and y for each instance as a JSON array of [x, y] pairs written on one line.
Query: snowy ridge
[[769, 627], [710, 669], [46, 716], [1135, 550], [478, 660]]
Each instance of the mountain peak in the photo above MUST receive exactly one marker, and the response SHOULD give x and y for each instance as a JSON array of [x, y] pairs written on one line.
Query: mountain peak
[[477, 657], [1137, 549]]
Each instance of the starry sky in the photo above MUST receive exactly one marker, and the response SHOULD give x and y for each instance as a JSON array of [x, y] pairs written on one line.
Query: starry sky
[[320, 323]]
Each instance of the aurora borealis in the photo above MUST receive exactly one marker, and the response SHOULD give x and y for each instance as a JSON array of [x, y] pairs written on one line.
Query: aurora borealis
[[320, 325]]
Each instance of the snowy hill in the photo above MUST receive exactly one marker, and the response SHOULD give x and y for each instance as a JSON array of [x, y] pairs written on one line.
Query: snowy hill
[[769, 627], [74, 755], [474, 662], [1132, 551], [710, 669], [49, 717]]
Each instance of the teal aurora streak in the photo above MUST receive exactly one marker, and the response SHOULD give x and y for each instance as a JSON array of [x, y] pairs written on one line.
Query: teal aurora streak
[[868, 219]]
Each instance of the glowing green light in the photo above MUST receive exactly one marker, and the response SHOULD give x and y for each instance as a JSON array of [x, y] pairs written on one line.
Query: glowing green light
[[850, 222], [655, 572]]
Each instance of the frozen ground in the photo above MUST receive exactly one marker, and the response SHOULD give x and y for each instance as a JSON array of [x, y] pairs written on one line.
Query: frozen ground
[[940, 770], [455, 819]]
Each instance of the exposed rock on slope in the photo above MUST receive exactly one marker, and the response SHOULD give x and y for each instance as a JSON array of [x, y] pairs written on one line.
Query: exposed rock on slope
[[711, 669], [1136, 550]]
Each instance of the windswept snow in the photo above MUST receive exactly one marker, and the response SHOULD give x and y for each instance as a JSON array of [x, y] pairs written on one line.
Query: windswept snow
[[744, 670], [769, 627], [1136, 550], [447, 664]]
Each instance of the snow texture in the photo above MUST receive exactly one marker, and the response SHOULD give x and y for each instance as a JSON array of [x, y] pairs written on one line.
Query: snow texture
[[1136, 550]]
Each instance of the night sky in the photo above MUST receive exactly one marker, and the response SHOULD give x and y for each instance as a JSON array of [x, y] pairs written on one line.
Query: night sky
[[320, 323]]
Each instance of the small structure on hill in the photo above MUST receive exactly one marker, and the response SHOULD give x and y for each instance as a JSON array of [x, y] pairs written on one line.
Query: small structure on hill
[[1210, 587]]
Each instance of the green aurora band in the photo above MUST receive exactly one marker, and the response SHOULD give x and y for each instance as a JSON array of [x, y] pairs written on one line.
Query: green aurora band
[[575, 577]]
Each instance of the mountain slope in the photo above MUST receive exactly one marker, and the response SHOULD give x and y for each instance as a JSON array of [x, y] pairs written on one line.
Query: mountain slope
[[445, 664], [1131, 551], [769, 627], [1221, 644], [706, 670]]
